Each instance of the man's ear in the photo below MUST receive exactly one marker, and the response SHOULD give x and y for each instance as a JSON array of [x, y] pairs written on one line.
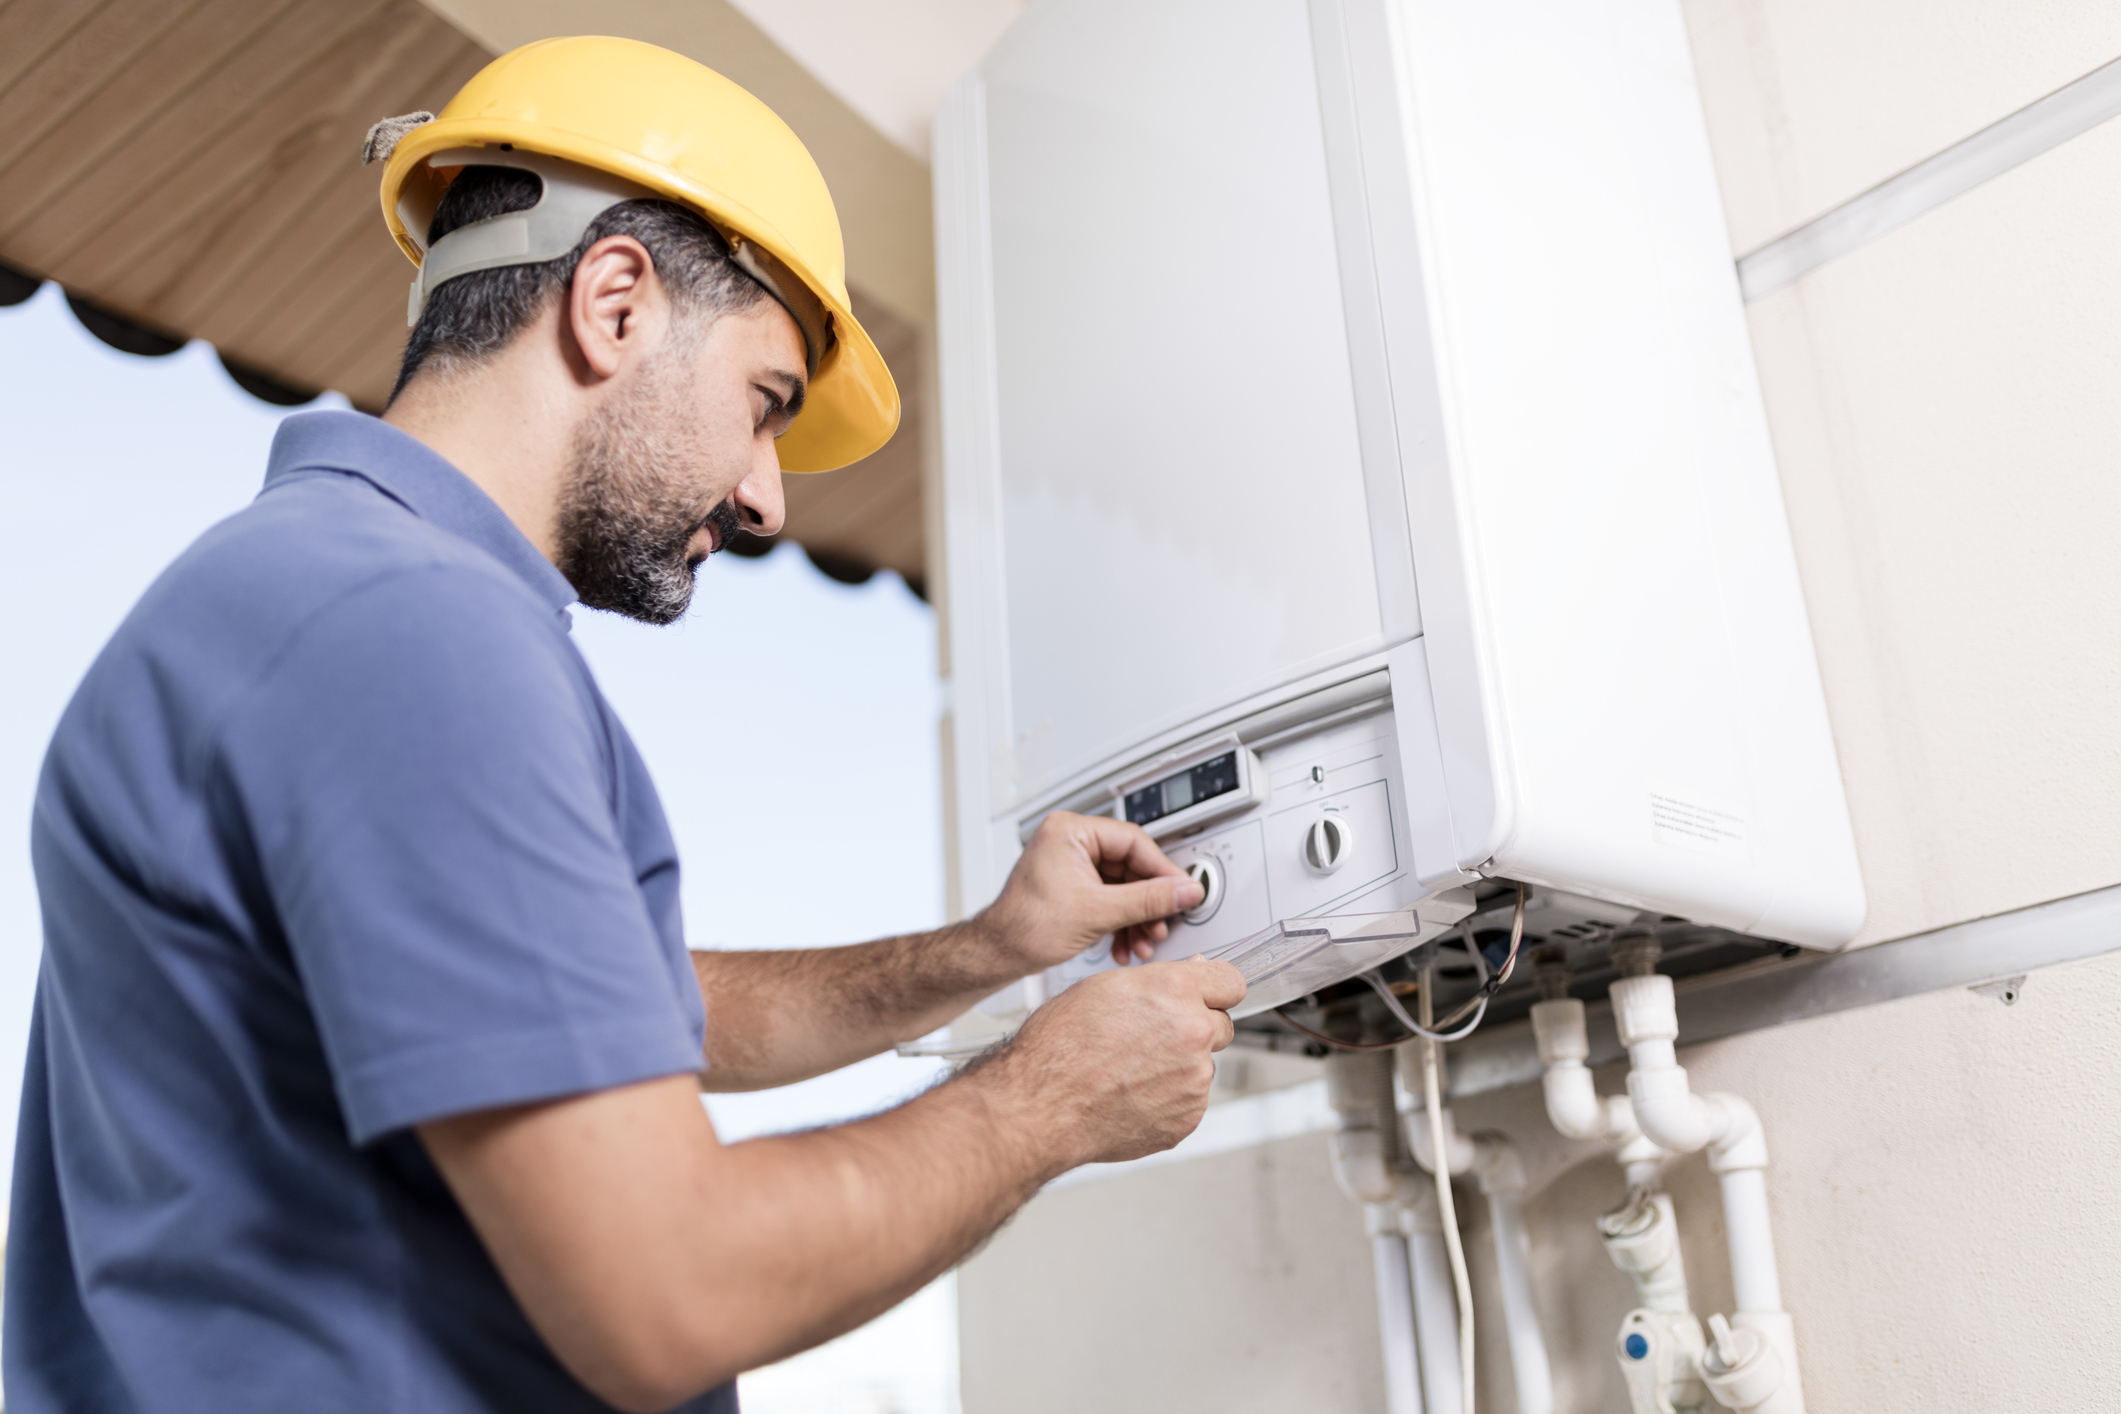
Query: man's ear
[[614, 304]]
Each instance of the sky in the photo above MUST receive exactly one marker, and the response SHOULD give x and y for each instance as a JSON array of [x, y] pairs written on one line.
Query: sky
[[790, 723]]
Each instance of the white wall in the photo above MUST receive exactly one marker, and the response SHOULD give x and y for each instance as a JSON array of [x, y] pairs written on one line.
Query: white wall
[[1222, 1283], [1946, 420], [1945, 404]]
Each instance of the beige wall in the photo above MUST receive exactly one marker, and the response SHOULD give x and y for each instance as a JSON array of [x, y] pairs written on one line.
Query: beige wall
[[1944, 1212], [1944, 408], [1223, 1283], [1945, 404]]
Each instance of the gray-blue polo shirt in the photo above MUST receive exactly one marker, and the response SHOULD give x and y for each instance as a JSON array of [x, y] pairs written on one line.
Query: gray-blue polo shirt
[[337, 837]]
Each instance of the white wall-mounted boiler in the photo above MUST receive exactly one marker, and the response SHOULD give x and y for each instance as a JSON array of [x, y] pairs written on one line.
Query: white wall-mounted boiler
[[1359, 390]]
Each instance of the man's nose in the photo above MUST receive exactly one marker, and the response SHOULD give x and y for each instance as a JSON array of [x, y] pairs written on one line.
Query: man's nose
[[758, 496]]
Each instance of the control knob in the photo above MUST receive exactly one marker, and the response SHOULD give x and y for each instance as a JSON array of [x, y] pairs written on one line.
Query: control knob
[[1207, 873], [1327, 843]]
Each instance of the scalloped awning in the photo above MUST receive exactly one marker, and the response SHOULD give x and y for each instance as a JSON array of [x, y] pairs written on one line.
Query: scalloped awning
[[190, 169]]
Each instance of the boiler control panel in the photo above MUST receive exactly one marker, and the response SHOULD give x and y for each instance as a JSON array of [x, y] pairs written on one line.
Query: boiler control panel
[[1306, 829]]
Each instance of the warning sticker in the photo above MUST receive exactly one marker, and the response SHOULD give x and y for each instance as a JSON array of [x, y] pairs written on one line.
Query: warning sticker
[[1688, 824]]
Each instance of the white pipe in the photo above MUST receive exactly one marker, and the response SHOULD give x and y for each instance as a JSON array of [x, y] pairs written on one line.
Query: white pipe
[[1639, 1159], [1673, 1117], [1494, 1159], [1460, 1154], [1501, 1173], [1528, 1347], [1573, 1104], [1743, 1367], [1642, 1238], [1754, 1280], [1435, 1312], [1667, 1111], [1368, 1167], [1446, 1209], [1395, 1322], [1416, 1131]]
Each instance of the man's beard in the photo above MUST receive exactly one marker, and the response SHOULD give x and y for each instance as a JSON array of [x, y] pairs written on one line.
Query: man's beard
[[627, 517]]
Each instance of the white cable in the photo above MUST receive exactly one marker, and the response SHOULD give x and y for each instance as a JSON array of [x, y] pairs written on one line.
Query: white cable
[[1432, 1092], [1399, 1013], [1488, 985]]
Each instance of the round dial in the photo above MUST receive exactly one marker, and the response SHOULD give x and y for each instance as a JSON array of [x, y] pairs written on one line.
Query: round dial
[[1207, 873], [1327, 843]]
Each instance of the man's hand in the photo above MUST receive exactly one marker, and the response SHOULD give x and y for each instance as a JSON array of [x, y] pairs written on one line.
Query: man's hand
[[1119, 1065], [657, 1262], [1081, 877], [781, 1017]]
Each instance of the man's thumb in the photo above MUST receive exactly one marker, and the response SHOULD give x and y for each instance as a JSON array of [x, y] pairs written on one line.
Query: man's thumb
[[1146, 900]]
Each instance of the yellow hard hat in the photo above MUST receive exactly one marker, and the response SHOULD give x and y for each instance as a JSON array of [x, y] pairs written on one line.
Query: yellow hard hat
[[659, 121]]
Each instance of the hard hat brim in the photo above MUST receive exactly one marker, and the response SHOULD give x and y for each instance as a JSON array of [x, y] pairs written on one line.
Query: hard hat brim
[[851, 407]]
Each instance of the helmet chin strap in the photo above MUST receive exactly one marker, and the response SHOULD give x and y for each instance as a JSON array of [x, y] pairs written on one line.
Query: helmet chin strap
[[573, 196]]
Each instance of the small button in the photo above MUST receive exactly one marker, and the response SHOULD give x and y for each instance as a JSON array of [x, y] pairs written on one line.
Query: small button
[[1638, 1348]]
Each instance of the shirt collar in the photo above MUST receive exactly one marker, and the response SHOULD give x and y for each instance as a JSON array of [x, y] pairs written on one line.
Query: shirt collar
[[417, 477]]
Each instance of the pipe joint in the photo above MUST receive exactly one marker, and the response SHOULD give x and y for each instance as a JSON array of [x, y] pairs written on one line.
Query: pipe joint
[[1497, 1164], [1559, 1030], [1644, 1010], [1459, 1154], [1642, 1160], [1672, 1116], [1642, 1238], [1744, 1370], [1362, 1168], [1743, 1142], [1572, 1104]]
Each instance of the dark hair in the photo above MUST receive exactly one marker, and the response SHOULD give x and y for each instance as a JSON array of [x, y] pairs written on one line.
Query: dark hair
[[473, 317]]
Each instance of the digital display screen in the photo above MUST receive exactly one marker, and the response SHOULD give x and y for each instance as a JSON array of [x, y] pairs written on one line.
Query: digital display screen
[[1174, 793]]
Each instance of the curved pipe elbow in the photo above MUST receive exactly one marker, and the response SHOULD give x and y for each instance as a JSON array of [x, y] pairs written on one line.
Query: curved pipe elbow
[[1458, 1151], [1572, 1104], [1670, 1115], [1743, 1143], [1361, 1167]]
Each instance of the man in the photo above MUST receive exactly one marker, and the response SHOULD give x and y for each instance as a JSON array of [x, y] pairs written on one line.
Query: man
[[366, 1052]]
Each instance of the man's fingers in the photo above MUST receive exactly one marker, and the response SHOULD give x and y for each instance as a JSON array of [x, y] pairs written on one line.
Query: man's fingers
[[1127, 847], [1221, 985], [1144, 901], [1225, 1031]]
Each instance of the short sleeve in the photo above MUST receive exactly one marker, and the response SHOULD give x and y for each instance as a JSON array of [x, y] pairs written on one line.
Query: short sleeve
[[430, 795]]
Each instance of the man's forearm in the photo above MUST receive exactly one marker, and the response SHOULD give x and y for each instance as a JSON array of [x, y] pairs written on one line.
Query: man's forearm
[[658, 1262], [909, 1193], [695, 1261], [775, 1017]]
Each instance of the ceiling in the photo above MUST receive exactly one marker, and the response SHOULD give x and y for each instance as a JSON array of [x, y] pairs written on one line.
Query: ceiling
[[190, 169], [890, 62]]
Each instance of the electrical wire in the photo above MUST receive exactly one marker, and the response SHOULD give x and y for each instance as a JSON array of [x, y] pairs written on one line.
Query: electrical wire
[[1415, 1028], [1447, 1210], [1491, 985], [1474, 1007], [1334, 1041]]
